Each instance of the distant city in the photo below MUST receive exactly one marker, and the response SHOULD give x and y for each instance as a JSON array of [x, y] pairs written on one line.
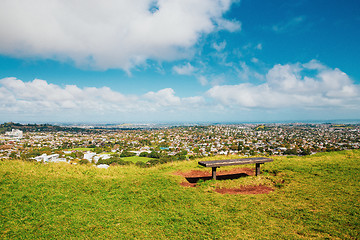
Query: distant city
[[150, 144]]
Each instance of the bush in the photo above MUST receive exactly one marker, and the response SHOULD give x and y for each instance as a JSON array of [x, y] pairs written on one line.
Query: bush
[[154, 154], [144, 154], [127, 154], [142, 164], [84, 161], [153, 162], [113, 161]]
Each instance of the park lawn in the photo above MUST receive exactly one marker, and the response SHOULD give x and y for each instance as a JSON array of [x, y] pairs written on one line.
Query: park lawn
[[135, 159], [314, 197], [81, 149]]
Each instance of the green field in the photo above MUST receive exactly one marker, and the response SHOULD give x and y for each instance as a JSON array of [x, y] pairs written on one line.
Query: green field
[[136, 159], [314, 197], [82, 149]]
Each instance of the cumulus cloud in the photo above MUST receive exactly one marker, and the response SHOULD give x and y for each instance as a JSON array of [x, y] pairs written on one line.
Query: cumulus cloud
[[164, 97], [110, 34], [40, 97], [186, 69], [290, 85], [298, 86]]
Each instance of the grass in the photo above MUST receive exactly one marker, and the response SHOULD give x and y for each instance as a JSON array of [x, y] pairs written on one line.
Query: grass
[[81, 149], [136, 159], [315, 197]]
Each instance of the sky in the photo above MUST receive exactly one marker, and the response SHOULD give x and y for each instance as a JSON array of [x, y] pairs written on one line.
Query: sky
[[117, 61]]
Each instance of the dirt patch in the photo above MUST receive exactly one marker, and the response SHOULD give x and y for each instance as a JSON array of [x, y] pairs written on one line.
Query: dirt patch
[[187, 184], [245, 190], [192, 177], [195, 175], [219, 173]]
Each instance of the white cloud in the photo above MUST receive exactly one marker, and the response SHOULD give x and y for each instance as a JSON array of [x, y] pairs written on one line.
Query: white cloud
[[291, 87], [219, 46], [284, 26], [314, 65], [244, 72], [217, 79], [203, 80], [164, 97], [231, 26], [39, 98], [186, 69], [110, 34], [288, 86], [254, 60], [166, 100], [259, 46]]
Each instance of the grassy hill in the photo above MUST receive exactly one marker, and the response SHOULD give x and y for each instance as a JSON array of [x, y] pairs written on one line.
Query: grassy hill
[[314, 197]]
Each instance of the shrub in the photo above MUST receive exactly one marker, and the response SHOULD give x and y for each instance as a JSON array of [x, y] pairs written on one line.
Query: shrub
[[142, 164], [144, 154], [127, 154], [113, 161], [84, 161], [154, 154]]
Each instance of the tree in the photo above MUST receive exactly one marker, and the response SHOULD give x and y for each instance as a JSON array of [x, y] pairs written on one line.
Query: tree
[[154, 154], [127, 154], [144, 154]]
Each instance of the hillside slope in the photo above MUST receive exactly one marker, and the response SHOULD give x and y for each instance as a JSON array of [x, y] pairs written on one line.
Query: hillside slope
[[313, 197]]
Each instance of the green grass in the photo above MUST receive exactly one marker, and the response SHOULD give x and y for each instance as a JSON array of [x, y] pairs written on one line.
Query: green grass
[[136, 159], [316, 197], [80, 149]]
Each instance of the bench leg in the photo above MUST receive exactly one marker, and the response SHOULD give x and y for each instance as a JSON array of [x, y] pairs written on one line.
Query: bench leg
[[257, 169], [214, 173]]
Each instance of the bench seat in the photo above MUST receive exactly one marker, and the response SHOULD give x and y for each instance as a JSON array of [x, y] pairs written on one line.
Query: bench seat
[[228, 162]]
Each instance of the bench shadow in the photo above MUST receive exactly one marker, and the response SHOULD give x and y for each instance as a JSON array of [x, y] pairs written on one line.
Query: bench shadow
[[219, 177]]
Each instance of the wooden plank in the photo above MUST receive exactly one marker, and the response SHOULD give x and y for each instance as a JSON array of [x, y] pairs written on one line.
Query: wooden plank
[[239, 161]]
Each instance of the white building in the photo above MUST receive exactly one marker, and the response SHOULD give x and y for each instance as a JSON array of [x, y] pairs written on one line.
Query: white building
[[15, 133], [49, 158], [89, 156], [102, 166], [93, 157]]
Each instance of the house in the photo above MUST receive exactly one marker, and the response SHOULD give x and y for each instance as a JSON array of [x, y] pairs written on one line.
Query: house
[[49, 158], [15, 133]]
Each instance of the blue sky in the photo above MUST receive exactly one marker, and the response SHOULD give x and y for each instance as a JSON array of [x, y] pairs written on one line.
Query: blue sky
[[179, 61]]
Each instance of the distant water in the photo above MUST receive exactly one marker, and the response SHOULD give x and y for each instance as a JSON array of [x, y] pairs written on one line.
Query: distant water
[[333, 121], [203, 123]]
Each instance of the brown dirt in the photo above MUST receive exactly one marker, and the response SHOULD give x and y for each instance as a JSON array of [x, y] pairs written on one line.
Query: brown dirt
[[187, 184], [245, 190], [192, 177], [200, 174]]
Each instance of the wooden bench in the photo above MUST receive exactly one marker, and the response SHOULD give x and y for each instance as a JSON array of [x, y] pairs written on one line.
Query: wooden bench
[[239, 161]]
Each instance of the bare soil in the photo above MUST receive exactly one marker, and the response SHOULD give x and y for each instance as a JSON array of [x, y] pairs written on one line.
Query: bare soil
[[261, 189], [192, 177]]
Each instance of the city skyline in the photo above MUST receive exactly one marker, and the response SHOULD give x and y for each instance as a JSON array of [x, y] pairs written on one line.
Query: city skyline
[[179, 61]]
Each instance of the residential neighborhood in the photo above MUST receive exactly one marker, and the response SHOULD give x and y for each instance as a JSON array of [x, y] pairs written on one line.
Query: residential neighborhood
[[176, 142]]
